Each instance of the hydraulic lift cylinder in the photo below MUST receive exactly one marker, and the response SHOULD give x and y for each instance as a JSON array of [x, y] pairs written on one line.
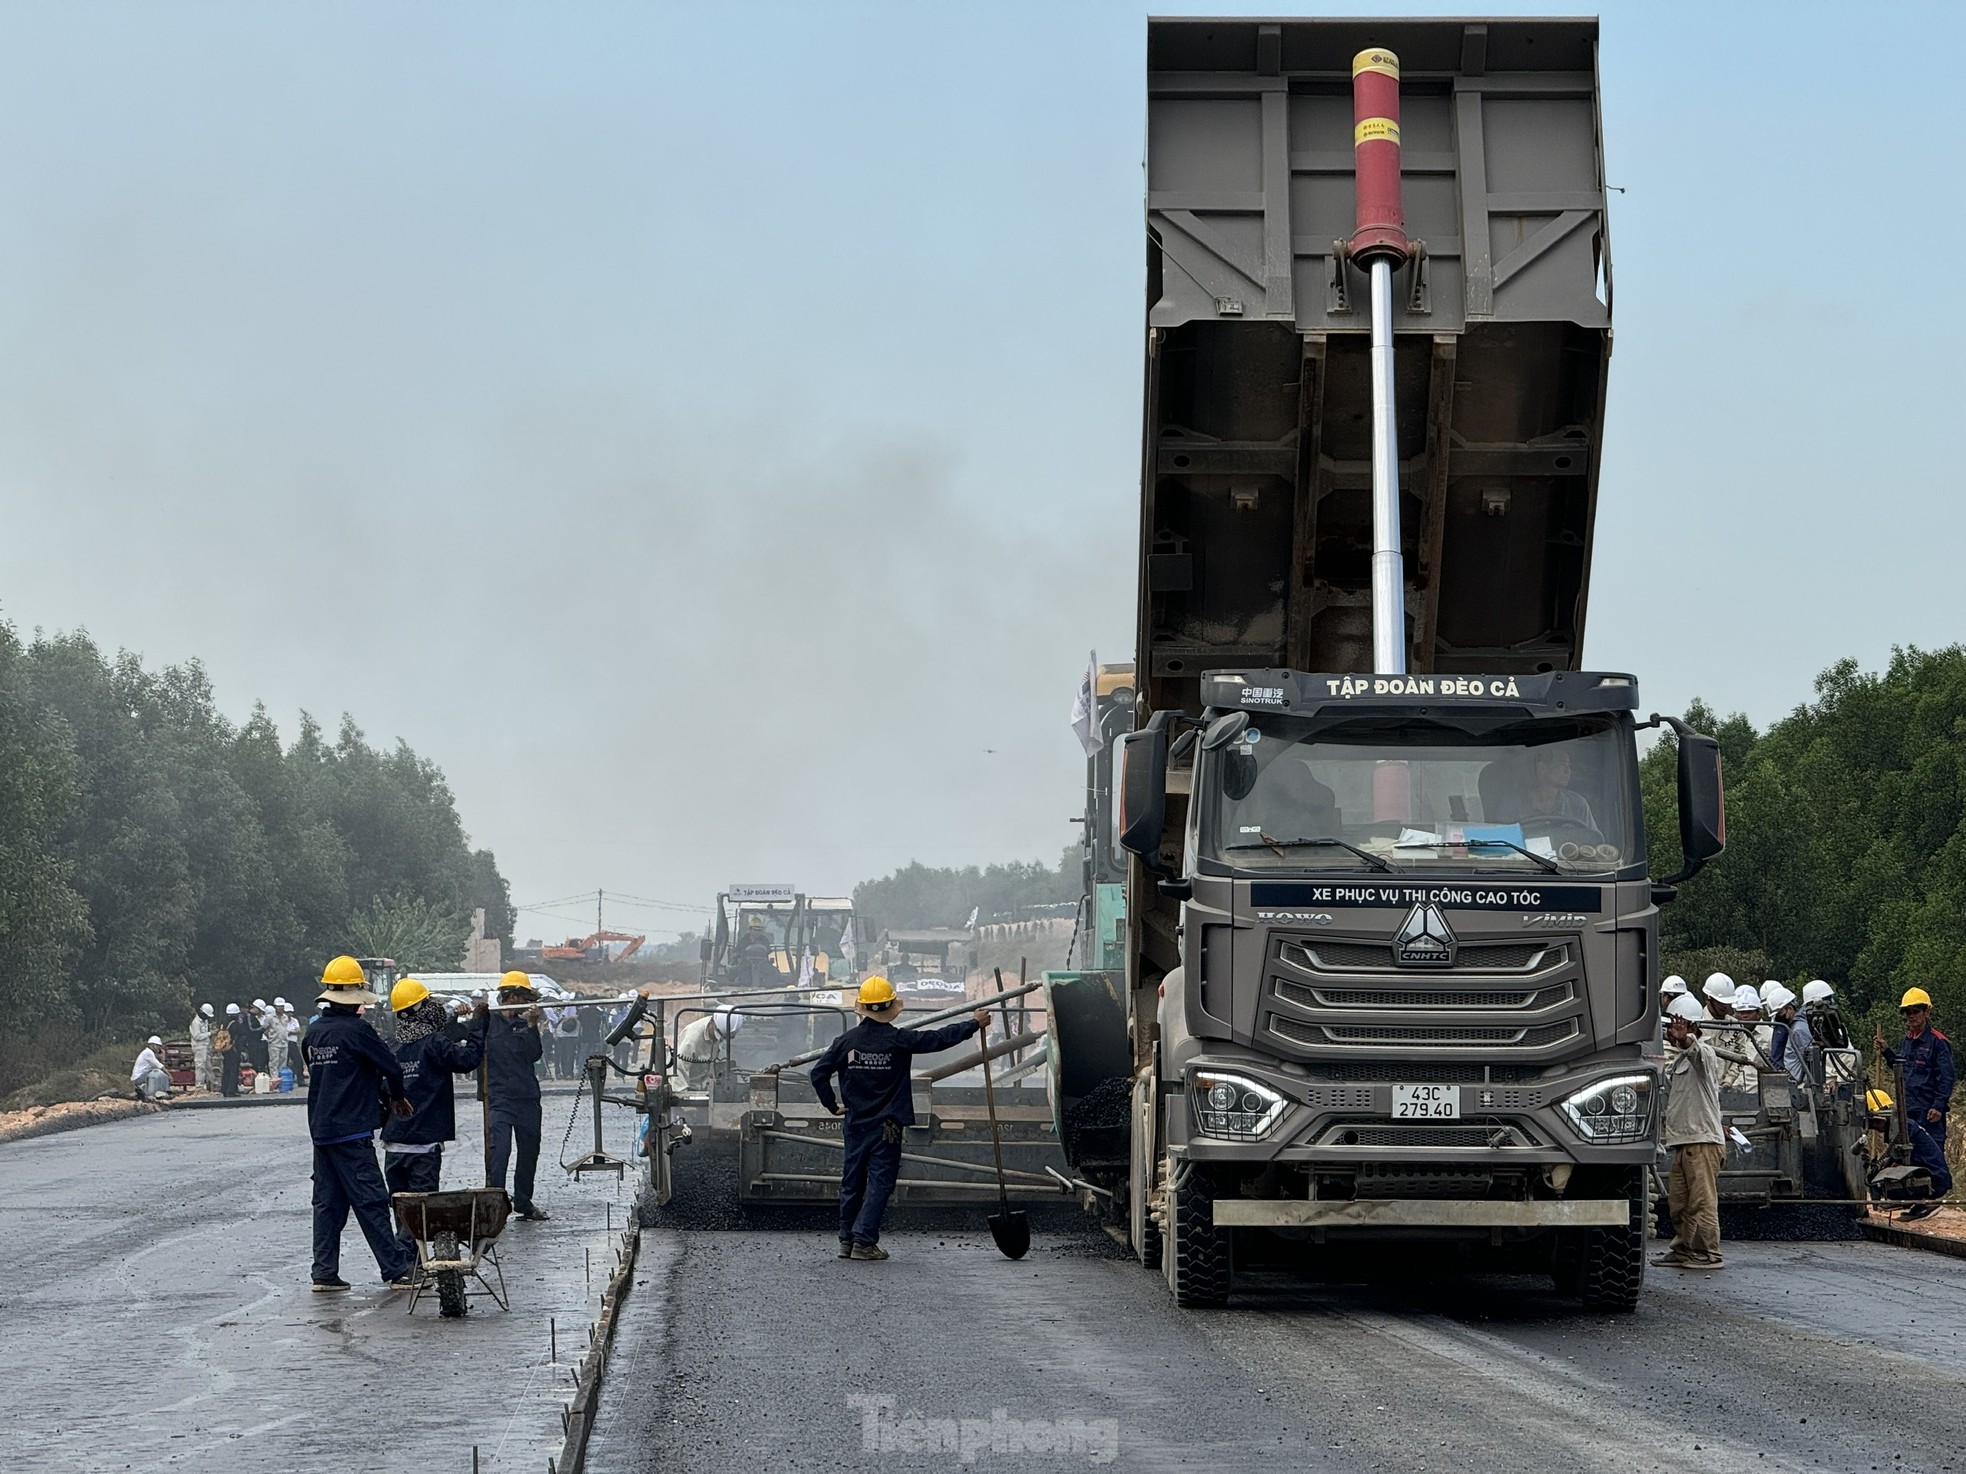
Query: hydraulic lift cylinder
[[1380, 245]]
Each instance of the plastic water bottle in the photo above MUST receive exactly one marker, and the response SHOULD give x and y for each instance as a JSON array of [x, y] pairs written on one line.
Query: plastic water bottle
[[286, 1078]]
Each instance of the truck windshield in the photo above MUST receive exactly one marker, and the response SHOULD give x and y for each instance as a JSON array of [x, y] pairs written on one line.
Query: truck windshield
[[1372, 793]]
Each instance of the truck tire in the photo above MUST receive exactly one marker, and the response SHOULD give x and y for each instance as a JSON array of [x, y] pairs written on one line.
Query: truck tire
[[1614, 1258], [1144, 1166], [1197, 1253], [450, 1282]]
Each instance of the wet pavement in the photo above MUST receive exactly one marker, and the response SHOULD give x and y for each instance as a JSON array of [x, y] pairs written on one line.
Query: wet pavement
[[761, 1350], [158, 1313]]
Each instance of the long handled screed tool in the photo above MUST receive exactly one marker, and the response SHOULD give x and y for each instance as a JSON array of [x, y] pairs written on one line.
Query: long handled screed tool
[[1008, 1226]]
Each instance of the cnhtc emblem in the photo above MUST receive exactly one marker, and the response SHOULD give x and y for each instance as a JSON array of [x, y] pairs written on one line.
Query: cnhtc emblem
[[1425, 939]]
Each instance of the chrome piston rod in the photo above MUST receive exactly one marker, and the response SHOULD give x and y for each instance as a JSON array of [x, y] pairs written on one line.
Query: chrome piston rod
[[1388, 566]]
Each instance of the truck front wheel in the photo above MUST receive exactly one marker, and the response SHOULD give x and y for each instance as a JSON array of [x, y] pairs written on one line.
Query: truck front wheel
[[1196, 1255], [1613, 1268]]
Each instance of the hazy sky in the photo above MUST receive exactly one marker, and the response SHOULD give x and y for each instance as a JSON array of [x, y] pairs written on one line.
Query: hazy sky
[[710, 432]]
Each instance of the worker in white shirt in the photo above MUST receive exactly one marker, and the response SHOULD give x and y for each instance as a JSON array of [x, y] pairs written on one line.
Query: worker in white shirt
[[148, 1075]]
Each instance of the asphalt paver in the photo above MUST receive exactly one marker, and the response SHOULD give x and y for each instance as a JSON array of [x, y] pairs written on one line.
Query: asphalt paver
[[158, 1313]]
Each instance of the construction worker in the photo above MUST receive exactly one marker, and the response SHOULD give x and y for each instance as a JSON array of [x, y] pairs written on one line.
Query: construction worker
[[872, 1062], [1925, 1150], [512, 1048], [1925, 1056], [228, 1044], [1718, 991], [1693, 1132], [202, 1029], [148, 1075], [413, 1147], [1757, 1035], [254, 1042], [1731, 1044], [699, 1044], [1779, 1004], [353, 1070], [750, 959], [1673, 987]]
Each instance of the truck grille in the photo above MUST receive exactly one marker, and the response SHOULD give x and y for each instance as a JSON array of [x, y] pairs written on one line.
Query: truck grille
[[1539, 1036], [1320, 955], [1420, 1072], [1327, 996], [1509, 997]]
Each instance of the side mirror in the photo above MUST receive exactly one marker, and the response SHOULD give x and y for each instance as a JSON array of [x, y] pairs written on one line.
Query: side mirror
[[1141, 804], [1702, 801]]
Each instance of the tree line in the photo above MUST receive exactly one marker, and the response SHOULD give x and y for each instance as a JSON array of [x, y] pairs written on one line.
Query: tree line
[[1846, 839], [917, 895], [154, 855]]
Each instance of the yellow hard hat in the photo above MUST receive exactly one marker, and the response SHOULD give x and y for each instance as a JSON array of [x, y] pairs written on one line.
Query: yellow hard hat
[[1915, 998], [515, 979], [343, 972], [876, 993], [1877, 1100], [407, 994]]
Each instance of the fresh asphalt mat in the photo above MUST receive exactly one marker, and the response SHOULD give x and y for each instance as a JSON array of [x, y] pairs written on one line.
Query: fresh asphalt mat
[[158, 1312], [752, 1349]]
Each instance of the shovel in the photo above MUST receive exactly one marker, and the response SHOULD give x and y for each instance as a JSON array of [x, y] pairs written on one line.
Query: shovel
[[1008, 1226]]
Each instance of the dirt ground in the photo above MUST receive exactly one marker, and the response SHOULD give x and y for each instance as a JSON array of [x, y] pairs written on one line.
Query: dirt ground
[[66, 1116]]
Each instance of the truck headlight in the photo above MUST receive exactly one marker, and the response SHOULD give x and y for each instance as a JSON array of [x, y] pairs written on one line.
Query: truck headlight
[[1233, 1106], [1613, 1110]]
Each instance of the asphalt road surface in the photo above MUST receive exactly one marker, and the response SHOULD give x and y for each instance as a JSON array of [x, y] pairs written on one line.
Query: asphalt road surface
[[760, 1350], [157, 1312]]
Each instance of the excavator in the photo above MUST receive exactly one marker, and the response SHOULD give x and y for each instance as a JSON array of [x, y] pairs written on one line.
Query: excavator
[[592, 948]]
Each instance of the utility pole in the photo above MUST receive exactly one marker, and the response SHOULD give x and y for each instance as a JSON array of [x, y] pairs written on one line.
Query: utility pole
[[599, 925]]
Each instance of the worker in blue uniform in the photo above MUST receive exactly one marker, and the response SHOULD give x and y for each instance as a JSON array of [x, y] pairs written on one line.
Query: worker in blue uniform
[[354, 1075], [871, 1061], [1925, 1056], [512, 1050], [413, 1147]]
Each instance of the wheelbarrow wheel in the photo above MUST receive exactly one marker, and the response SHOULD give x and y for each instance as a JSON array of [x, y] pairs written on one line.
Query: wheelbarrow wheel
[[450, 1282]]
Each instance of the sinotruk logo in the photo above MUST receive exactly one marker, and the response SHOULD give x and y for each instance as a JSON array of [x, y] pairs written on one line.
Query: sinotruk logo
[[1424, 939]]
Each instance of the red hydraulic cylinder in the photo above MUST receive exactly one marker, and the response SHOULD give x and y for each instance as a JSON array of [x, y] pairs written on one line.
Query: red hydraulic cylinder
[[1375, 146]]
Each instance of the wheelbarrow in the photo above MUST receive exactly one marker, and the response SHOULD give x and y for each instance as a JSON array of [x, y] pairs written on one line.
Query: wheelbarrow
[[456, 1235]]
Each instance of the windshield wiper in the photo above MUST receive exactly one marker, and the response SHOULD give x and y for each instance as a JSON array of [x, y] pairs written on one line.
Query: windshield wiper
[[1280, 845], [1438, 844]]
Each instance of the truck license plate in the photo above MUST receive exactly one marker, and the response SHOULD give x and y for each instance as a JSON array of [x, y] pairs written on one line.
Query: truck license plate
[[1426, 1102]]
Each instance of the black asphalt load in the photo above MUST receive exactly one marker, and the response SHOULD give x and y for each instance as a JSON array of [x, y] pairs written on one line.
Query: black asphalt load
[[158, 1313], [762, 1350]]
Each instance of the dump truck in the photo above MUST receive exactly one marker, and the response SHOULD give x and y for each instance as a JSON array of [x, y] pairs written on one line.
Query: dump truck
[[1391, 941]]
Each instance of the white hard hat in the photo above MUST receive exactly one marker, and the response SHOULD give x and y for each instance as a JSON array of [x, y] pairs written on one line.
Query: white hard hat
[[1674, 985], [1816, 991], [1685, 1007], [155, 1040], [1719, 987], [1746, 999], [729, 1021], [205, 1009], [1775, 997], [231, 1008], [279, 1003], [259, 1003]]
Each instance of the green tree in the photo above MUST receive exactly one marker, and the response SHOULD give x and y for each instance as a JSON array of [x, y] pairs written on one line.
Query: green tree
[[411, 931], [42, 919]]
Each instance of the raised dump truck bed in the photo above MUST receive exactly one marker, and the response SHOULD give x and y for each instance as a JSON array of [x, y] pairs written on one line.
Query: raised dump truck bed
[[1256, 534]]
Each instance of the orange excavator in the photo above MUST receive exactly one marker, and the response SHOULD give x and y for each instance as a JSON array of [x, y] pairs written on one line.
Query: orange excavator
[[591, 948]]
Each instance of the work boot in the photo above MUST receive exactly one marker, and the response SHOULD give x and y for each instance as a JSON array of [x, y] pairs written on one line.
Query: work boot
[[330, 1287], [1705, 1261], [846, 1248], [1672, 1259], [868, 1251], [534, 1215], [1918, 1210]]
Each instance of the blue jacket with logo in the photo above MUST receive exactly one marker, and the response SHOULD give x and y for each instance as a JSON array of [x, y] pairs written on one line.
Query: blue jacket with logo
[[428, 1064], [512, 1048], [872, 1060], [351, 1074], [1927, 1062]]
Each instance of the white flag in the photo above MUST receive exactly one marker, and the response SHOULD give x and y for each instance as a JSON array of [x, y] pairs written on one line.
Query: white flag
[[1085, 707], [805, 967], [970, 925], [846, 944]]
